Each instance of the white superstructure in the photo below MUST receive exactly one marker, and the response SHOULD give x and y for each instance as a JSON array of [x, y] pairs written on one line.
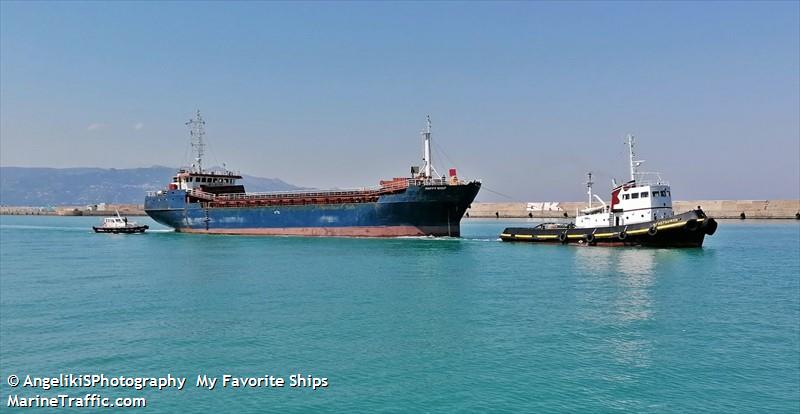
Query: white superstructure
[[196, 177], [118, 222], [644, 198]]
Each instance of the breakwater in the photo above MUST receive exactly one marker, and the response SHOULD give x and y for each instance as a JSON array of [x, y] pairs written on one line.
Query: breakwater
[[105, 210], [722, 209]]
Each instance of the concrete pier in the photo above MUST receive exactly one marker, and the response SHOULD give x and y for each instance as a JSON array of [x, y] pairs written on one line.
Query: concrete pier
[[722, 209], [107, 211]]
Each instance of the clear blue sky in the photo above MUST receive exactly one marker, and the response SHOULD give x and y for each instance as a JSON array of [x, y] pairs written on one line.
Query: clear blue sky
[[525, 96]]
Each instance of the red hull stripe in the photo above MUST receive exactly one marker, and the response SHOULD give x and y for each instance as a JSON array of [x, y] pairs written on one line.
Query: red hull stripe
[[365, 231]]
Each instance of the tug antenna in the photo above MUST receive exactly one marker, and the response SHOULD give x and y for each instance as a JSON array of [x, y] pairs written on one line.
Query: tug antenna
[[631, 141]]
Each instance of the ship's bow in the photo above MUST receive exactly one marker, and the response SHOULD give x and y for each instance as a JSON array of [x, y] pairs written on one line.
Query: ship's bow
[[429, 210]]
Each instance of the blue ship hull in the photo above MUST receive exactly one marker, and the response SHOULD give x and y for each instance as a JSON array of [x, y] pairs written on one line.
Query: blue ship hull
[[419, 210]]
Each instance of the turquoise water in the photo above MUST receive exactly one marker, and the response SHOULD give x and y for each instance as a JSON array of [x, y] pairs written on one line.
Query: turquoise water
[[408, 325]]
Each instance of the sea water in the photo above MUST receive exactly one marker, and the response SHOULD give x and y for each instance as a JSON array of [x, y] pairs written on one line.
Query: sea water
[[408, 324]]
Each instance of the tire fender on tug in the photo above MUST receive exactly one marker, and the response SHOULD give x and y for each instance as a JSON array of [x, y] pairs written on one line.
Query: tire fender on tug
[[622, 235], [590, 238], [653, 230], [710, 226], [562, 237]]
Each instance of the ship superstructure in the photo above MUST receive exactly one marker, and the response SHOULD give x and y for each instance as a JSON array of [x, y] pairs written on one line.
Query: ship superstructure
[[645, 197], [205, 201]]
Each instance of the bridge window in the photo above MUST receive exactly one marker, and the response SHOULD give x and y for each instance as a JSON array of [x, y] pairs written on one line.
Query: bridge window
[[635, 195], [655, 193], [663, 193], [625, 196], [644, 194]]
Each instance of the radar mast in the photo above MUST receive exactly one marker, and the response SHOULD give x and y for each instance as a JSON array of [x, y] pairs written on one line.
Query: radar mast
[[631, 141], [197, 131], [426, 149]]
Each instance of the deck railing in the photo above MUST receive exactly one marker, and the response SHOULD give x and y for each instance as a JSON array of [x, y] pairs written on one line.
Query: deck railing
[[649, 178], [385, 188]]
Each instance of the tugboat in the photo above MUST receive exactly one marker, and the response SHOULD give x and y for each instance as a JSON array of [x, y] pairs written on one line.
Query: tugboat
[[640, 214], [119, 224]]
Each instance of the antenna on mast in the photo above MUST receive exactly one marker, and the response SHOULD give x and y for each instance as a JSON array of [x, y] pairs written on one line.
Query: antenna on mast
[[631, 141], [197, 131], [589, 184]]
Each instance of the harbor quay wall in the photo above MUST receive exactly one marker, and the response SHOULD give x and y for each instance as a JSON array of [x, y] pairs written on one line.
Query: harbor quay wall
[[106, 210], [722, 209]]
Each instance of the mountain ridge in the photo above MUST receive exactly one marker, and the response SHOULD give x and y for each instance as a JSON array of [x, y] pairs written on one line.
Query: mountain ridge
[[46, 186]]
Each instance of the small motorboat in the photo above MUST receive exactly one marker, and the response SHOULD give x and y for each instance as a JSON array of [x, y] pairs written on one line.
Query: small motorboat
[[119, 224], [640, 214]]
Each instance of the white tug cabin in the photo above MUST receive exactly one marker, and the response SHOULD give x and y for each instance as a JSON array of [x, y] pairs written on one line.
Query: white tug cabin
[[644, 198], [115, 222]]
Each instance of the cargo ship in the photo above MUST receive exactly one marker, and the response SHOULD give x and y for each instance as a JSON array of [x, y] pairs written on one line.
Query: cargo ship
[[213, 201], [639, 214]]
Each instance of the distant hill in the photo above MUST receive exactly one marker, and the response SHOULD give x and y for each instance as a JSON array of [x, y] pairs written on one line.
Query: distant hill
[[24, 186]]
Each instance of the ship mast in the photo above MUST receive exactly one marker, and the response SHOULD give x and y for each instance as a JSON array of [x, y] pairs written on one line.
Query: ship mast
[[426, 149], [631, 154], [589, 184], [197, 131]]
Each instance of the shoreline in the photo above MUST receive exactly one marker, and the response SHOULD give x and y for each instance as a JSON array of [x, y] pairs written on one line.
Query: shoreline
[[78, 211]]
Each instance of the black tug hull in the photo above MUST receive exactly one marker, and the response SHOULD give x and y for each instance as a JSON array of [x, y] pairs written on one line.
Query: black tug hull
[[121, 230], [683, 230]]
